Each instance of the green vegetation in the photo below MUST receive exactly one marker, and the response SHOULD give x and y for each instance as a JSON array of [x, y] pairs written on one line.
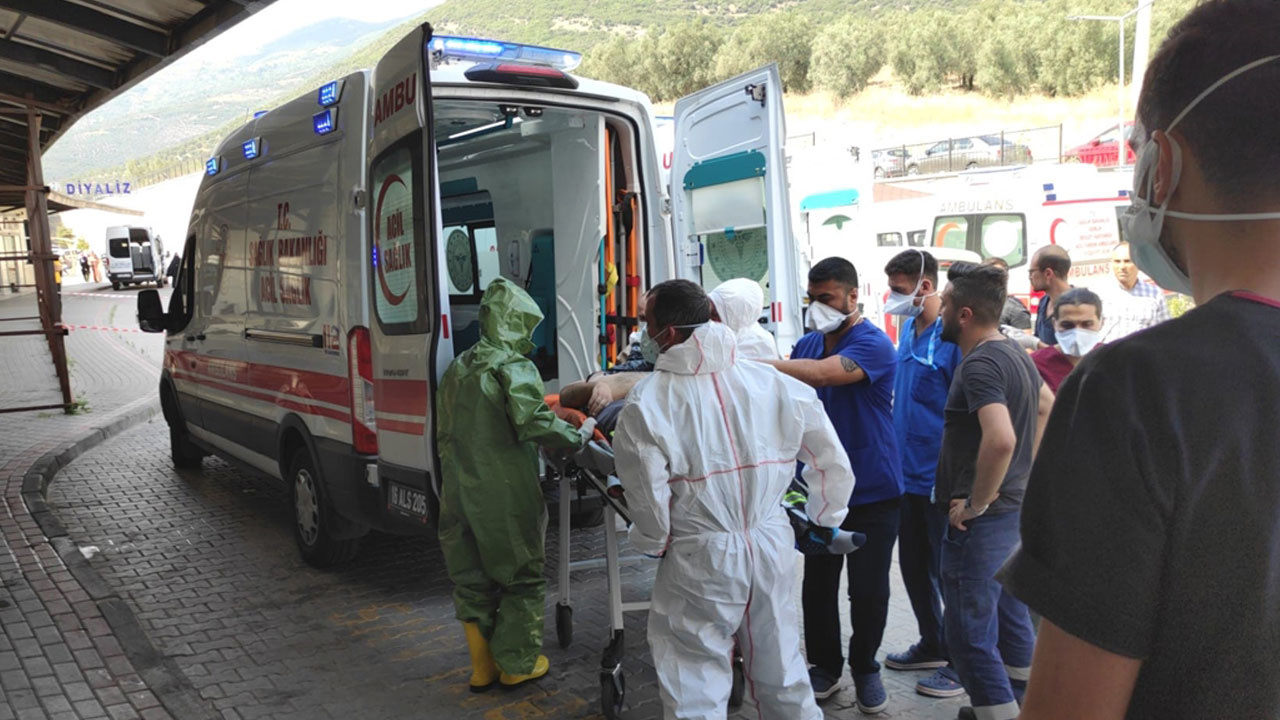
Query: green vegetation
[[669, 48]]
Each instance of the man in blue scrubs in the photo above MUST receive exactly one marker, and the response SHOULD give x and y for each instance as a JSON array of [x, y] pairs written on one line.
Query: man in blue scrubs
[[926, 364], [852, 364]]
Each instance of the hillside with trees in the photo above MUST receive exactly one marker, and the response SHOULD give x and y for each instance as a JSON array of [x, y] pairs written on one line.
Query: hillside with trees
[[669, 48]]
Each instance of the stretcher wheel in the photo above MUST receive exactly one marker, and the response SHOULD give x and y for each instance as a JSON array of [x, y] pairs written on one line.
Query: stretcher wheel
[[564, 625], [613, 690], [739, 683]]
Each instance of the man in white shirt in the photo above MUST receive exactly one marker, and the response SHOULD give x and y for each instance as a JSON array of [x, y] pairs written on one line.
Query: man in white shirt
[[1134, 304]]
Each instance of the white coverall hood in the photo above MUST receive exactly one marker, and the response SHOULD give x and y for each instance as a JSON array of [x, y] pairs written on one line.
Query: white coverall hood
[[738, 304], [705, 449]]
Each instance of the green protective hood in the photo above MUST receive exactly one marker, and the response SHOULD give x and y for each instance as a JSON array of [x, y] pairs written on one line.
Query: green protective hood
[[508, 316]]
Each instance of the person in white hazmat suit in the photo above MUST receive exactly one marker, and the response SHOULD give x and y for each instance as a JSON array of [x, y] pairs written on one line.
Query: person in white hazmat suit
[[737, 303], [705, 449]]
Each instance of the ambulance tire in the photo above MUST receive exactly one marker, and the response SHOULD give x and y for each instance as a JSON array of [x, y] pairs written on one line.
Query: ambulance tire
[[313, 521], [115, 285], [185, 454]]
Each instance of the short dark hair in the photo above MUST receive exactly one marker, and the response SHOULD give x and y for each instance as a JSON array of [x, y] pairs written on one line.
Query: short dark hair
[[834, 268], [1215, 38], [907, 263], [981, 288], [1078, 296], [1055, 258], [679, 302], [997, 261]]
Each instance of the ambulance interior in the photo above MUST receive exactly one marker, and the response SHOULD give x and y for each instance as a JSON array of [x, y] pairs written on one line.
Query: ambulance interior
[[523, 196]]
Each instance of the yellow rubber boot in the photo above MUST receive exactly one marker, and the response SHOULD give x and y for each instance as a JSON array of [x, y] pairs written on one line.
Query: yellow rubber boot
[[484, 671], [540, 668]]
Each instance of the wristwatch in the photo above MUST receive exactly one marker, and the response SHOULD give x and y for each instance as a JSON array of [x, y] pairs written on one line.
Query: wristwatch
[[977, 511]]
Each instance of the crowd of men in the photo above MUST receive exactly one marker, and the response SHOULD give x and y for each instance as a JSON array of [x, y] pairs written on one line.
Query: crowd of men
[[1089, 466]]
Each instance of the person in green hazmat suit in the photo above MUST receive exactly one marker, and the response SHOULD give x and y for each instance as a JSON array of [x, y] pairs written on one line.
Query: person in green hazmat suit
[[491, 417]]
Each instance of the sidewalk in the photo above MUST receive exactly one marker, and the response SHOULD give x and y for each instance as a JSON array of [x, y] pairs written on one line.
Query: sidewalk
[[66, 639]]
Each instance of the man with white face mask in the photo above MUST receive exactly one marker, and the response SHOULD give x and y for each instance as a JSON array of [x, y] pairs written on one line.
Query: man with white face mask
[[1151, 524], [1077, 323], [706, 447], [852, 363], [926, 365]]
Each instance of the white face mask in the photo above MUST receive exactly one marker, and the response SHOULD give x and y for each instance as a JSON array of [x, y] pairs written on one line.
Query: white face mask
[[824, 318], [1143, 223], [899, 304], [1077, 342]]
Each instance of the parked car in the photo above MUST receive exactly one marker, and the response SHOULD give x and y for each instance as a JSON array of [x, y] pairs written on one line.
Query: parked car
[[968, 153], [890, 162], [1101, 150]]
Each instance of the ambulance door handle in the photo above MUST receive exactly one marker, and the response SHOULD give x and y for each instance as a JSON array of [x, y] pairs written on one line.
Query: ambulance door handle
[[193, 338]]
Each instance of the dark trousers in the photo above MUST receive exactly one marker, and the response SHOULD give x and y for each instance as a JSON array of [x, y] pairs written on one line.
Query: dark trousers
[[868, 592], [919, 550], [989, 631]]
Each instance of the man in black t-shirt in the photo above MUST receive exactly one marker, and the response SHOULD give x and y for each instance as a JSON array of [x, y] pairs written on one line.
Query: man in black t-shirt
[[995, 411], [1151, 527]]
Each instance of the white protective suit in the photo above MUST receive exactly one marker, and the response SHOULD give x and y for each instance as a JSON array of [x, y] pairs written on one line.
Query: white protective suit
[[738, 304], [705, 449]]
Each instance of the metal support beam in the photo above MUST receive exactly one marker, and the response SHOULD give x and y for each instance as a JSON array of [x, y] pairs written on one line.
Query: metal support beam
[[91, 75], [28, 92], [98, 24], [48, 294]]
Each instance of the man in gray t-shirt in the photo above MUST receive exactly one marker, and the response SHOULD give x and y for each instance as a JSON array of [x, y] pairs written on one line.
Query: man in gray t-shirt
[[995, 412]]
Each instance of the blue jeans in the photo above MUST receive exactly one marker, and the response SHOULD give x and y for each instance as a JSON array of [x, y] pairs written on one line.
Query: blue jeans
[[919, 547], [989, 632]]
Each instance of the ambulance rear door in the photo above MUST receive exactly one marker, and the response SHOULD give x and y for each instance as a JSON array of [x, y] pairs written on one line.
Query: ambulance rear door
[[729, 206], [408, 314]]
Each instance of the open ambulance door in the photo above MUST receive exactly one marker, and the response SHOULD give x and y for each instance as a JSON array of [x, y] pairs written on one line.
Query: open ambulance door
[[394, 393], [729, 208]]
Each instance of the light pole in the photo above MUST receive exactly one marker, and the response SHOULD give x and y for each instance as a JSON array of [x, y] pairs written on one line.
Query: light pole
[[1121, 156]]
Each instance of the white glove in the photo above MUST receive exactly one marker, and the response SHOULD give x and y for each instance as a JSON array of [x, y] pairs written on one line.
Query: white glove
[[1025, 341], [587, 430]]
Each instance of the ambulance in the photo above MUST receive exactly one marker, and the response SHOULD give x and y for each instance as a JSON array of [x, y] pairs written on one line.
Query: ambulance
[[1012, 214], [340, 244]]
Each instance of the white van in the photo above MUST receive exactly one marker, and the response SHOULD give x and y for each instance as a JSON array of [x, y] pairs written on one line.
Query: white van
[[135, 255], [340, 244], [1013, 213]]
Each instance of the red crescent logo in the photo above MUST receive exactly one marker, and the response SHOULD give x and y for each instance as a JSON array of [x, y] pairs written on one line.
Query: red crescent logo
[[1053, 231], [392, 298]]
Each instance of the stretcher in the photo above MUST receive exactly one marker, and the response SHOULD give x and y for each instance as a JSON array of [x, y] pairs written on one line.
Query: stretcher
[[593, 466]]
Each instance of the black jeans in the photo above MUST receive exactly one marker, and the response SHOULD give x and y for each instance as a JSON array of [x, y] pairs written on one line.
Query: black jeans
[[868, 592], [919, 549]]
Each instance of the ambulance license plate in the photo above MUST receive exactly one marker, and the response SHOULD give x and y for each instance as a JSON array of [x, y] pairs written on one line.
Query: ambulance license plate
[[407, 501]]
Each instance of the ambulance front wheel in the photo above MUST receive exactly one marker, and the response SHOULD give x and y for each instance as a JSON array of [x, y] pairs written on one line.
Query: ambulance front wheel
[[115, 285], [186, 456], [313, 520]]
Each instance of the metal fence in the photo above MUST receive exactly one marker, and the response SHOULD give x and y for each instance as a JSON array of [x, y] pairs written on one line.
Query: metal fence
[[969, 152]]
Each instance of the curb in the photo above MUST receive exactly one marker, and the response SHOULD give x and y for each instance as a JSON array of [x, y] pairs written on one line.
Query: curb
[[163, 676]]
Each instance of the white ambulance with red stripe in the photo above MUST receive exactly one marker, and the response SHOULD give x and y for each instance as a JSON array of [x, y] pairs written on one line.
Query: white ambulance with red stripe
[[340, 244]]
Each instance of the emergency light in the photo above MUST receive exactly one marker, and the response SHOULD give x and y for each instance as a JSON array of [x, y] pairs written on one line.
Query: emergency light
[[325, 121], [250, 148], [330, 93], [260, 113], [211, 166], [478, 50]]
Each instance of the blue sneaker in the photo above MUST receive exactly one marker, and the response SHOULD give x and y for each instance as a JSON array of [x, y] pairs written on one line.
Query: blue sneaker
[[943, 683], [915, 658], [824, 685], [871, 695]]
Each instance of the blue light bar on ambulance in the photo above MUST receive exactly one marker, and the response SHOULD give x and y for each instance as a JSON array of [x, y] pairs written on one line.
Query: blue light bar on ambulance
[[260, 113], [479, 50], [212, 166], [325, 121], [251, 148], [330, 93]]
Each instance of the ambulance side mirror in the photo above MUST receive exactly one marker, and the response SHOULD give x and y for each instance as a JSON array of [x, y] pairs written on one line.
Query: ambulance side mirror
[[151, 315]]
